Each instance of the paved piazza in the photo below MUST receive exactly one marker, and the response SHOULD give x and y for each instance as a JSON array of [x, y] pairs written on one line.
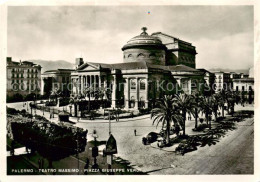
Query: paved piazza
[[233, 154]]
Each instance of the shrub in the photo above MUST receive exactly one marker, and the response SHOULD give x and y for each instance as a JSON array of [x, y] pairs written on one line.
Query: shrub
[[50, 140], [12, 111]]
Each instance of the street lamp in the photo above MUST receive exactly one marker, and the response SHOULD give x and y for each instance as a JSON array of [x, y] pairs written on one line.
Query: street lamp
[[95, 149]]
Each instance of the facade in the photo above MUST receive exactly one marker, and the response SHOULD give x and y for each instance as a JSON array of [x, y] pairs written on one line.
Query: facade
[[222, 80], [209, 81], [23, 78], [59, 79], [178, 51], [243, 84], [146, 71]]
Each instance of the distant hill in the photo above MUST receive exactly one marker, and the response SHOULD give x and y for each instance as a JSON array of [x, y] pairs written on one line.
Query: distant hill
[[53, 65], [245, 71]]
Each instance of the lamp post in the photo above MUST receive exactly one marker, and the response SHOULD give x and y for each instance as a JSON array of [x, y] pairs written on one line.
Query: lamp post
[[78, 149], [95, 150]]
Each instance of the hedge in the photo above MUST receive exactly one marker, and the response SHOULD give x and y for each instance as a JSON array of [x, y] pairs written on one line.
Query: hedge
[[53, 141]]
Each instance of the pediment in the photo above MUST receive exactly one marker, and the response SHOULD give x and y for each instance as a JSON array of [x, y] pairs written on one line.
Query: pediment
[[88, 67]]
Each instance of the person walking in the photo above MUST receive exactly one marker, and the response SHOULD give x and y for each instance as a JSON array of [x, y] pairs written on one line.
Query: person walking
[[42, 163], [135, 132], [39, 163], [177, 130]]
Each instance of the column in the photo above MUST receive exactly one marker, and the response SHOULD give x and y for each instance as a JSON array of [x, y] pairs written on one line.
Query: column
[[147, 93], [79, 84], [90, 79], [114, 93], [95, 82], [189, 86], [137, 93], [99, 81], [127, 94], [82, 85]]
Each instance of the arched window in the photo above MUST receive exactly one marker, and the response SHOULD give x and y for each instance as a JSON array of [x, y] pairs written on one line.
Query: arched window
[[140, 55], [130, 56], [152, 55], [142, 84]]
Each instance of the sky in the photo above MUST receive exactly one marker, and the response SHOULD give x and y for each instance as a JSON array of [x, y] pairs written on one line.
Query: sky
[[223, 35]]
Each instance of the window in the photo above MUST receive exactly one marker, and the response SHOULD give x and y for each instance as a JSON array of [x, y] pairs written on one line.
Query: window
[[152, 55], [132, 84], [243, 88], [140, 55], [142, 85], [236, 88]]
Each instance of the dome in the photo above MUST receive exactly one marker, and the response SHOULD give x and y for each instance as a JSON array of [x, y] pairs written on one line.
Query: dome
[[144, 40]]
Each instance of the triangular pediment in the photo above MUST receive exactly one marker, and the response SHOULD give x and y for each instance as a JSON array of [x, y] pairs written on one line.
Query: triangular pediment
[[88, 67]]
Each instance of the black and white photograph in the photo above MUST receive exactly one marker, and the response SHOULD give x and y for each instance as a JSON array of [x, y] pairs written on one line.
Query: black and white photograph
[[129, 90]]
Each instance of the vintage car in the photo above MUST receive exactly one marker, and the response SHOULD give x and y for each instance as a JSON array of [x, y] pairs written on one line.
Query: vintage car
[[150, 138]]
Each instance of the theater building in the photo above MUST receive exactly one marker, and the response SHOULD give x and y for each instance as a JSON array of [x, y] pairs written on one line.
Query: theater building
[[153, 65]]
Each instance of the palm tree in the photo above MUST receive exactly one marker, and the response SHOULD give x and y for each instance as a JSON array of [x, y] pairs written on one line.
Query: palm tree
[[215, 104], [196, 109], [231, 99], [166, 113], [74, 100], [222, 100], [185, 104], [206, 107], [88, 92]]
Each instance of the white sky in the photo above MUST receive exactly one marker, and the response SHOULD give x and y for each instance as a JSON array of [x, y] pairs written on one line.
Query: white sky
[[223, 35]]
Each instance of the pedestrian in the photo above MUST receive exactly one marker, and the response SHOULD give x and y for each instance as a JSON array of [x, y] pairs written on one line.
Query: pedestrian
[[39, 163], [86, 166], [135, 132], [42, 163], [177, 130]]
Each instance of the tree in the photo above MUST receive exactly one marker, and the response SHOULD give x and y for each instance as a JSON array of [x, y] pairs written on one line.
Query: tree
[[207, 108], [166, 113], [231, 99], [56, 93], [74, 100], [88, 92], [196, 109], [215, 104], [185, 104]]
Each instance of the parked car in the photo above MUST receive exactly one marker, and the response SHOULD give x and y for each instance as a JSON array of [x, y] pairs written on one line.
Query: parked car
[[150, 138]]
